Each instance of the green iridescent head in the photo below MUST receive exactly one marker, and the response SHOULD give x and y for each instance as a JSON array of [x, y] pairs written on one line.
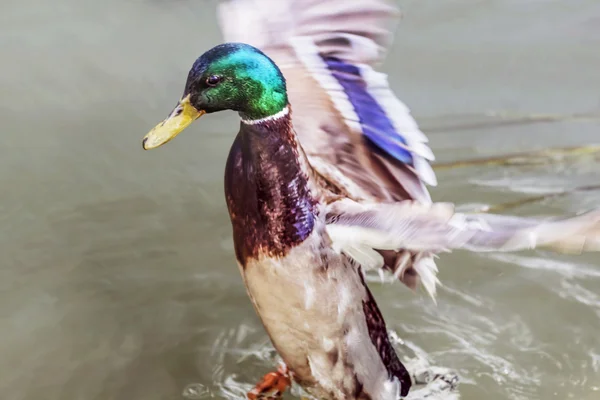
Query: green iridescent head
[[230, 76]]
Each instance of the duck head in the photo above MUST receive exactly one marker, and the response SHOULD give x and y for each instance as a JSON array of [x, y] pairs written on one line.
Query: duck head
[[230, 76]]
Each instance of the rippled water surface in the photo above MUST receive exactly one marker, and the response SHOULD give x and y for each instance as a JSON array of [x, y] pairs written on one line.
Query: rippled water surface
[[118, 278]]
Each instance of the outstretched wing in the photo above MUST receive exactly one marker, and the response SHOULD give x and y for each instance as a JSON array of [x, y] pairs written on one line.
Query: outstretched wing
[[359, 229], [357, 134]]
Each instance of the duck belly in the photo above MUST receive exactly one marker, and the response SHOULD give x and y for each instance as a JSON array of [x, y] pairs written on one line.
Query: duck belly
[[312, 304]]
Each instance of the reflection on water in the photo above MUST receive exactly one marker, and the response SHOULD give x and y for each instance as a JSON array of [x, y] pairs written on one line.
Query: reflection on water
[[118, 279]]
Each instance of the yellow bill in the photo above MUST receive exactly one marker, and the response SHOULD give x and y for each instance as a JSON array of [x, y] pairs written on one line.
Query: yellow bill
[[181, 117]]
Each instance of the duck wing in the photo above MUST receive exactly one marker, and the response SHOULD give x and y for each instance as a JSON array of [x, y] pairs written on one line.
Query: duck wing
[[356, 133], [359, 229]]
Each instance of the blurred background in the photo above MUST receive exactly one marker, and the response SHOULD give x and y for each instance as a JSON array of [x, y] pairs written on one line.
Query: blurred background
[[117, 274]]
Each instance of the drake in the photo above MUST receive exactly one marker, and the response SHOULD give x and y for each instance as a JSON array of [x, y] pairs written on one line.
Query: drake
[[303, 238]]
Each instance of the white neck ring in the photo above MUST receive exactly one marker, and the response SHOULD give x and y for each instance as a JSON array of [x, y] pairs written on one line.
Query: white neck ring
[[273, 117]]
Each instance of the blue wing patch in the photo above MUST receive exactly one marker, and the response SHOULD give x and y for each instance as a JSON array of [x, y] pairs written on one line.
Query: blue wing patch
[[377, 127]]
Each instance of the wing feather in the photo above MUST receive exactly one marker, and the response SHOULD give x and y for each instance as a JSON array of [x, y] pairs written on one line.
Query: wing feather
[[438, 228], [337, 43]]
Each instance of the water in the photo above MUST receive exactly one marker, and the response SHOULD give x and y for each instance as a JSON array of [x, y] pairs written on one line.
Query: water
[[118, 278]]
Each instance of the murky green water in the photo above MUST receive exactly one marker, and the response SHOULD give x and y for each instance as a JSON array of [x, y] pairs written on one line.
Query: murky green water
[[118, 279]]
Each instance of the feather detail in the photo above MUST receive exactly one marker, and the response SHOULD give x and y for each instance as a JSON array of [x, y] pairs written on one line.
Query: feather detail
[[360, 32], [308, 53], [405, 176], [427, 270], [376, 125], [368, 107], [437, 227], [404, 125], [337, 42]]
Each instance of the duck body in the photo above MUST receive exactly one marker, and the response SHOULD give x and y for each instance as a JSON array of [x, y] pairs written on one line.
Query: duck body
[[312, 300]]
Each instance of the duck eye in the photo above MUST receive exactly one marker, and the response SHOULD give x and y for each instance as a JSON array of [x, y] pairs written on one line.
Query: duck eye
[[213, 80]]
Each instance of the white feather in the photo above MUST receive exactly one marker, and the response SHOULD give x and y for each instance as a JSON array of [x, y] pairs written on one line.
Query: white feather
[[435, 228], [403, 122], [427, 270], [308, 53]]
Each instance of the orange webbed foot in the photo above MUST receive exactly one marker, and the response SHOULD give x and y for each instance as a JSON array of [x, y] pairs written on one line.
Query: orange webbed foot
[[272, 385]]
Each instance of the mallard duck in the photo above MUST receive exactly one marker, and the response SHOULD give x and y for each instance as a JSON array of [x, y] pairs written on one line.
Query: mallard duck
[[318, 196]]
